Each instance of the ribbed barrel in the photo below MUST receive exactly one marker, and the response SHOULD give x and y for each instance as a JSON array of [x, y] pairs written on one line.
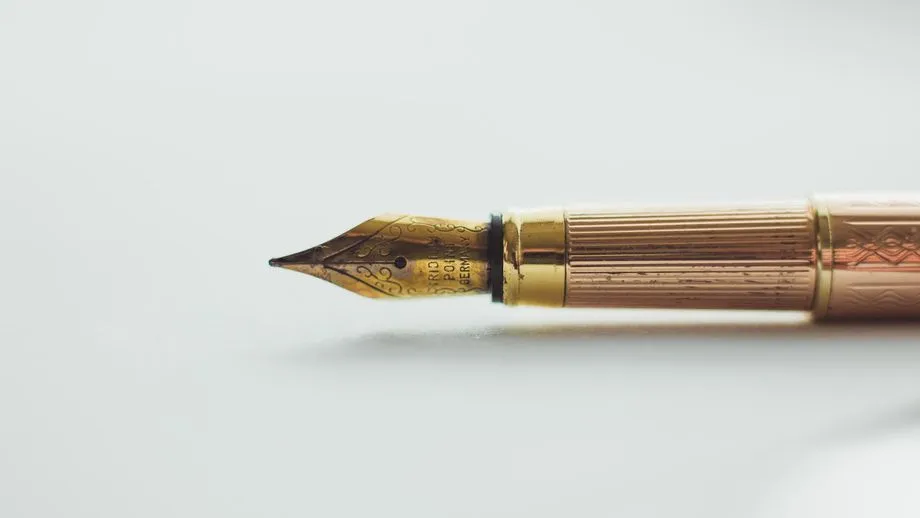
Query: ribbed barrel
[[732, 259]]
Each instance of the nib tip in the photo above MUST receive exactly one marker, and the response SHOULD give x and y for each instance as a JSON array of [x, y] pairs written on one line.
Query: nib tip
[[274, 262]]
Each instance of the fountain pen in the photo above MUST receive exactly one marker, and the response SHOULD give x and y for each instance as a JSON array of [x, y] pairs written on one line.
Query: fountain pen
[[837, 257]]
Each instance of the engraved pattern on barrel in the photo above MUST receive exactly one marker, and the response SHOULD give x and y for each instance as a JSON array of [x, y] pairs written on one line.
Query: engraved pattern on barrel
[[754, 258], [874, 256]]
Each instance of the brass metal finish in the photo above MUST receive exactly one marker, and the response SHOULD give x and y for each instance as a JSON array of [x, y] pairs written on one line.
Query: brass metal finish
[[534, 258], [401, 256], [874, 257], [753, 258], [837, 257], [824, 259]]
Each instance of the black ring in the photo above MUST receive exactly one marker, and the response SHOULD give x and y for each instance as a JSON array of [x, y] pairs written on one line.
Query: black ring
[[496, 244]]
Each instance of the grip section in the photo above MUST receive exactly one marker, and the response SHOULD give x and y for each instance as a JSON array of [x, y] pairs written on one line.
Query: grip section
[[756, 258]]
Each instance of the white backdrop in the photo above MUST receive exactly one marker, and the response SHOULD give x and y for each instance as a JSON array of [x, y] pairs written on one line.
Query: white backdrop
[[154, 155]]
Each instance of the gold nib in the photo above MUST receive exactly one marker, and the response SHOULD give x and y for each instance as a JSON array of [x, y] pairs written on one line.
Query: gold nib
[[396, 255]]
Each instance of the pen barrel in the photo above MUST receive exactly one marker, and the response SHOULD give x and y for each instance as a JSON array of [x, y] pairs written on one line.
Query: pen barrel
[[838, 257], [755, 258]]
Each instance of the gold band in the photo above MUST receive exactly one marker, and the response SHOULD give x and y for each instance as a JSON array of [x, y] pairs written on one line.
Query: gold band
[[534, 258], [824, 258]]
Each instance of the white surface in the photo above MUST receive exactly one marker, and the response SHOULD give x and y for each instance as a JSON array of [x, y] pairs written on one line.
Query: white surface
[[154, 155]]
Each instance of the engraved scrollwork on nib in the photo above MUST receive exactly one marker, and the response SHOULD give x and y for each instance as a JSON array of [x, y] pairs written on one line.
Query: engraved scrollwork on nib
[[382, 280], [414, 224], [381, 242], [395, 255]]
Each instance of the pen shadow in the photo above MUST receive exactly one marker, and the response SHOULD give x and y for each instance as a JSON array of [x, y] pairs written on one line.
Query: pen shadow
[[618, 338], [734, 355]]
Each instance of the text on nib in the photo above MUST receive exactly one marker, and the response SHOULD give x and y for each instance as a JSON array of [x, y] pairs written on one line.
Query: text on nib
[[396, 255]]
